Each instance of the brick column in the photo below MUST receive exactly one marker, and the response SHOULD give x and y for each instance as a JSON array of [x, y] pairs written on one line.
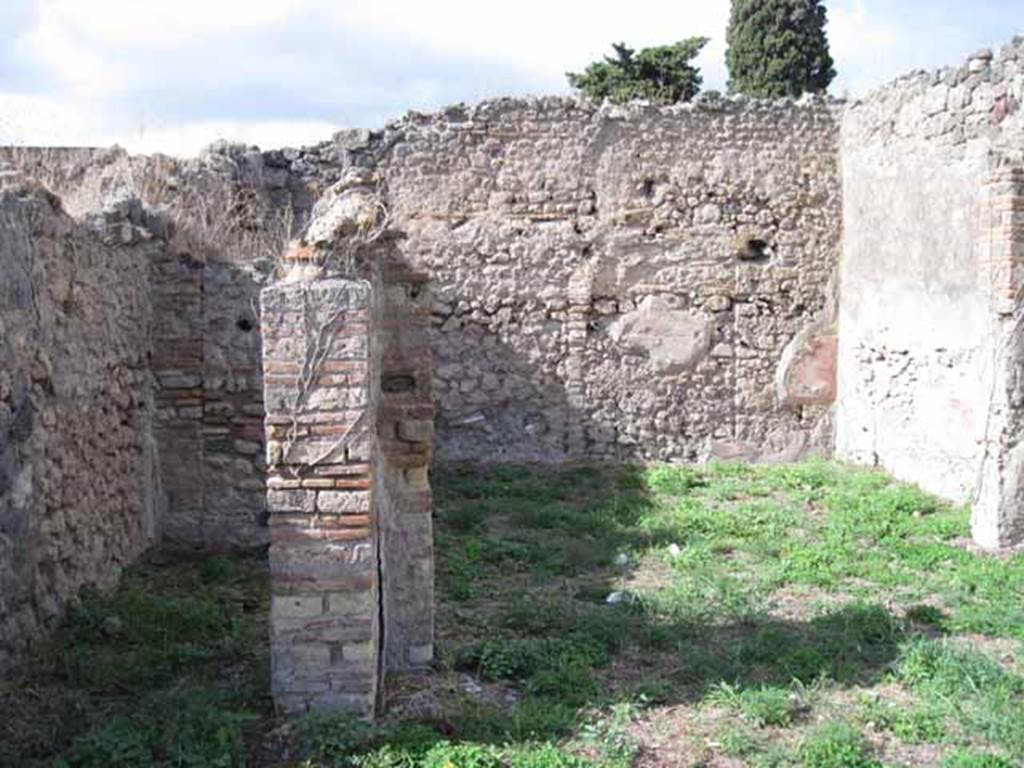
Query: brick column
[[176, 281], [406, 435], [320, 393], [998, 511]]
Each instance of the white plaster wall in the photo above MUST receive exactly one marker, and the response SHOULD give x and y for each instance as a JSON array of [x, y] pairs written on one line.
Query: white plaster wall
[[928, 354], [916, 347]]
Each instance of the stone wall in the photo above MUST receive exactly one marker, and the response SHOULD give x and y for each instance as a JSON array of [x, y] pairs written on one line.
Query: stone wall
[[930, 283], [558, 282], [226, 217], [623, 282], [78, 479], [605, 283]]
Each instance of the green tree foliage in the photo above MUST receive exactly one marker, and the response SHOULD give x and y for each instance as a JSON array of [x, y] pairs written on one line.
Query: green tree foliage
[[662, 74], [778, 48]]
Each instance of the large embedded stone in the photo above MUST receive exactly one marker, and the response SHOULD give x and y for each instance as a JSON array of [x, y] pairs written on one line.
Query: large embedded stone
[[673, 339], [807, 370], [346, 209]]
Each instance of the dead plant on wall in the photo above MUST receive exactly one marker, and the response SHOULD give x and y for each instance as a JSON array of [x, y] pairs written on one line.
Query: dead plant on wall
[[338, 248]]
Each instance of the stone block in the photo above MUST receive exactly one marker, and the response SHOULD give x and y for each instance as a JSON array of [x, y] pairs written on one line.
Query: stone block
[[359, 651], [418, 477], [297, 500], [416, 430], [314, 656], [421, 654], [347, 603], [673, 340], [325, 629], [336, 502], [329, 563], [296, 606]]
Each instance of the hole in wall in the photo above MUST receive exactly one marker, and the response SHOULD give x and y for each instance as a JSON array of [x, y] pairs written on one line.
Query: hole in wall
[[244, 324], [755, 250], [395, 383]]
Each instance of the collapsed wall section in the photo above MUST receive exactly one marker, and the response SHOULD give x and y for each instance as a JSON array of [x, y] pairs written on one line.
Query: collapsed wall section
[[78, 477], [623, 283], [930, 285]]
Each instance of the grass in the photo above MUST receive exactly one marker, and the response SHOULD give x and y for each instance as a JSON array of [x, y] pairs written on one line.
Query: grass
[[810, 614], [807, 615], [170, 669]]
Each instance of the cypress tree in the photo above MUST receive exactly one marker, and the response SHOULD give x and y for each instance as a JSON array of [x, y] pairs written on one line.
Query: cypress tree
[[778, 48]]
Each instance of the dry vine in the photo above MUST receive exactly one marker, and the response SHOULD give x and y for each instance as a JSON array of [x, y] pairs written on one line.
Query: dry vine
[[319, 335]]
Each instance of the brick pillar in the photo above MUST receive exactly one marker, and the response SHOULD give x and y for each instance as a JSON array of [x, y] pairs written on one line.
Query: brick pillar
[[998, 511], [177, 294], [406, 434], [320, 391]]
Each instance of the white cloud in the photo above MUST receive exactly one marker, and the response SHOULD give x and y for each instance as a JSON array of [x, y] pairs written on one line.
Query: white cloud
[[29, 119], [154, 74], [159, 23], [91, 45], [56, 49], [542, 36], [862, 43], [189, 138]]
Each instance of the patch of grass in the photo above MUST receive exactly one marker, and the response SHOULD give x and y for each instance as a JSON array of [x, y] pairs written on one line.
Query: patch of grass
[[135, 639], [847, 645], [775, 593], [712, 555], [674, 481], [965, 758], [970, 688], [342, 741], [460, 573], [608, 733], [181, 727], [543, 756], [739, 742], [764, 706], [329, 739], [509, 659], [168, 669], [217, 569], [553, 667], [915, 724], [836, 745], [927, 615]]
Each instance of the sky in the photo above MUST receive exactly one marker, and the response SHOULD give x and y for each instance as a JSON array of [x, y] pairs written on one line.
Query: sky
[[174, 75]]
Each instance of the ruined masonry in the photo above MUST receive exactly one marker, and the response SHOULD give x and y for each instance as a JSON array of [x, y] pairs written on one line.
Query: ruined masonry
[[324, 552], [255, 348]]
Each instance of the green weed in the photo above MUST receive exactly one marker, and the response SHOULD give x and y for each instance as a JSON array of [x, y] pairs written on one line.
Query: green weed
[[972, 689], [764, 706], [836, 745], [964, 758]]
